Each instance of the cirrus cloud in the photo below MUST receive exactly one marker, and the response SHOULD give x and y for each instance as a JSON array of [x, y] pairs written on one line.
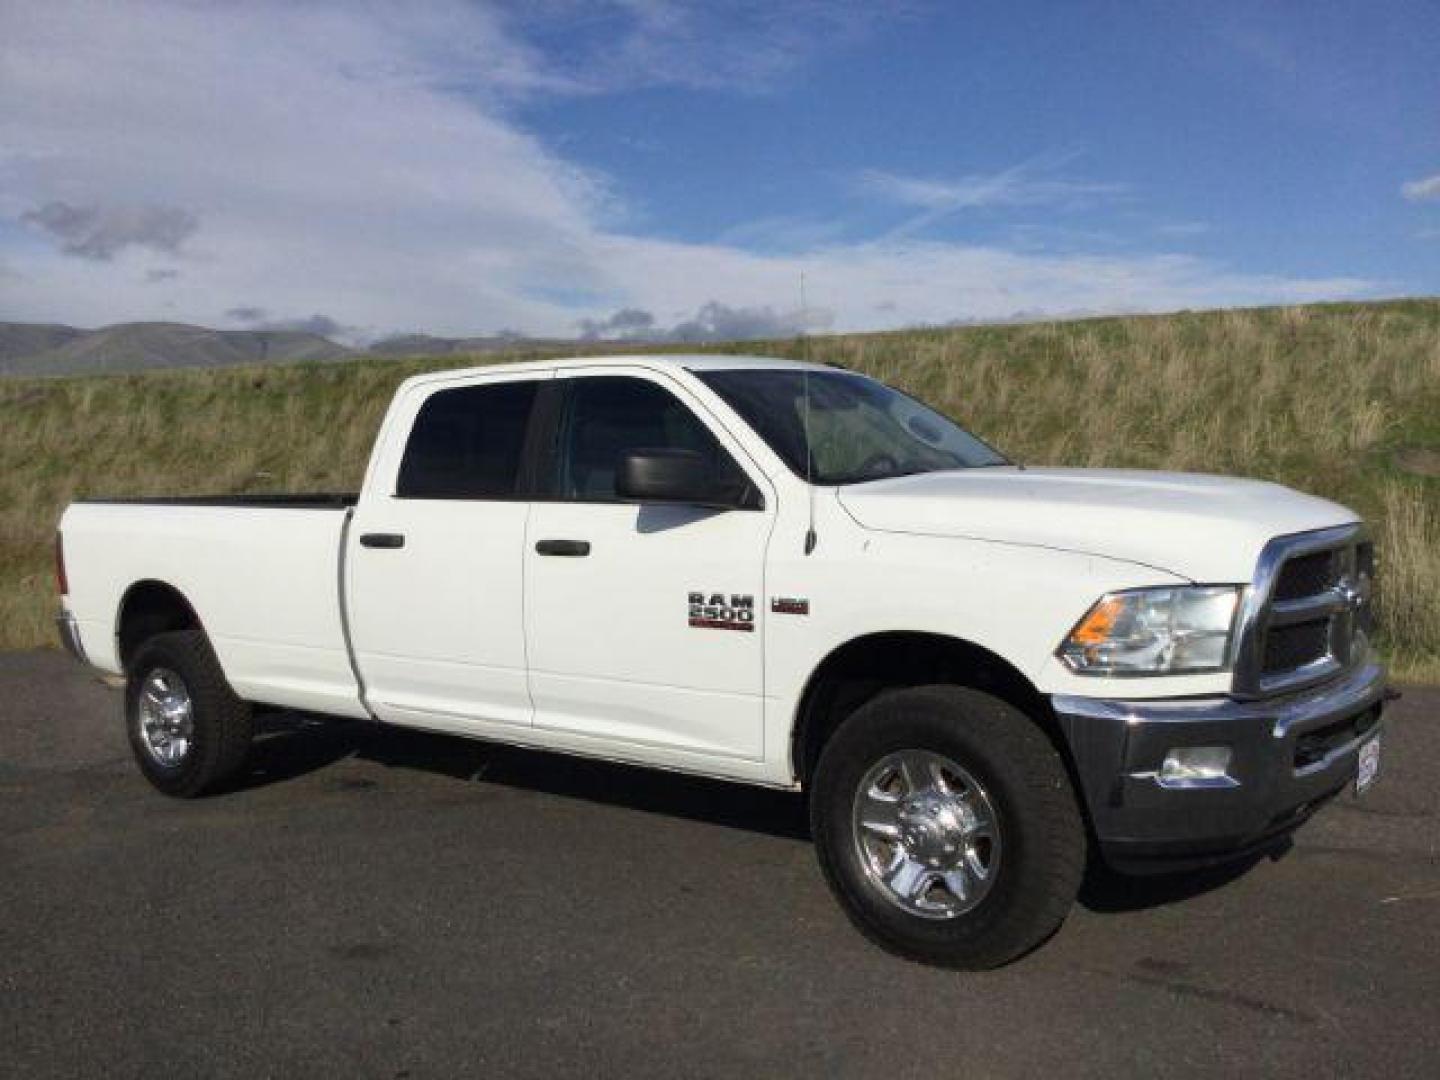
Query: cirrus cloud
[[1426, 188]]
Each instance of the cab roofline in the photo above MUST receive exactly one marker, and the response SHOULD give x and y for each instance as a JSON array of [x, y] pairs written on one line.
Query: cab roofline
[[695, 362]]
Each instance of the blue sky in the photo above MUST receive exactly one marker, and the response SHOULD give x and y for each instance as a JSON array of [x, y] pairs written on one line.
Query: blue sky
[[541, 167]]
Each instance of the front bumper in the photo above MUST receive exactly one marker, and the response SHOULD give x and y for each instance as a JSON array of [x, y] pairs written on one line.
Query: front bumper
[[69, 631], [1289, 755]]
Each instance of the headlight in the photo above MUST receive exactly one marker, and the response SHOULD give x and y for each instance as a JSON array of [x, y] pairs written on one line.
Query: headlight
[[1155, 632]]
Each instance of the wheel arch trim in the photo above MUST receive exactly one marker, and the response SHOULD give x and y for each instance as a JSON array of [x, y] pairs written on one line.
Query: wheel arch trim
[[168, 594], [999, 675]]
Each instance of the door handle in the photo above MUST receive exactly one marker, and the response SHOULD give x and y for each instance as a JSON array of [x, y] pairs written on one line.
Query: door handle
[[382, 540], [573, 549]]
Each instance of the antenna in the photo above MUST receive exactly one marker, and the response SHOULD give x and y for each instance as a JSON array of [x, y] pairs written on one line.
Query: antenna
[[804, 322], [809, 445]]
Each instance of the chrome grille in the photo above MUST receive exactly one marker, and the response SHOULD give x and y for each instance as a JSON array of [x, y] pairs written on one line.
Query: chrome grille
[[1290, 647], [1306, 575], [1307, 615]]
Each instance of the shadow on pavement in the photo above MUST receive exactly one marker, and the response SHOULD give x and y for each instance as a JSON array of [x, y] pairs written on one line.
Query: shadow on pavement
[[1106, 892], [291, 745]]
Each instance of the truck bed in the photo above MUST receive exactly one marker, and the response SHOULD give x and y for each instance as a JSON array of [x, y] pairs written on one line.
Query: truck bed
[[280, 500], [262, 571]]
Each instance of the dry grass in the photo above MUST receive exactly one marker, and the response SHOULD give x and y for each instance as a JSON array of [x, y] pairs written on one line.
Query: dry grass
[[1319, 398]]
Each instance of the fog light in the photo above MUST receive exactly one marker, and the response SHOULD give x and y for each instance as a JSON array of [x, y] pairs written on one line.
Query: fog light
[[1195, 763]]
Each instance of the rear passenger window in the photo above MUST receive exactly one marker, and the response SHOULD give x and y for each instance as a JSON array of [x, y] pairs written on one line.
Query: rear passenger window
[[466, 443]]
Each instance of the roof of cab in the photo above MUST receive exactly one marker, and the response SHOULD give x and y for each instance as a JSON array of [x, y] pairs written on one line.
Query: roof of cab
[[654, 361]]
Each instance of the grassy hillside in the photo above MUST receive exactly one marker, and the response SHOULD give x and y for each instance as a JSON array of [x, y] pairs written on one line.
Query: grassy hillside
[[1340, 400]]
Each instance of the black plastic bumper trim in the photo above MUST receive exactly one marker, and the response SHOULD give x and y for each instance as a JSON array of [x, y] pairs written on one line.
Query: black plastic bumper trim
[[1117, 747]]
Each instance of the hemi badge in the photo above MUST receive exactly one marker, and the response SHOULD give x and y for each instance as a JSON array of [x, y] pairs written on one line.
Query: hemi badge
[[789, 605]]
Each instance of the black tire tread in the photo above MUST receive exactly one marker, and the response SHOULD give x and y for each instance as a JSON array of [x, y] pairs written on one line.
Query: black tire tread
[[224, 723], [1031, 770]]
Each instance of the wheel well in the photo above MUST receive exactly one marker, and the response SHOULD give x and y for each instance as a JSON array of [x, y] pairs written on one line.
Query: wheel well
[[859, 670], [150, 608]]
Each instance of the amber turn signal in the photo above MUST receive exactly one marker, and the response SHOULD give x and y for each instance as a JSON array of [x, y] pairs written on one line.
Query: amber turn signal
[[1097, 626]]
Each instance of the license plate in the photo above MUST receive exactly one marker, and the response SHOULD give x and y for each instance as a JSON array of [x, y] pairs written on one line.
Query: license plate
[[1368, 767]]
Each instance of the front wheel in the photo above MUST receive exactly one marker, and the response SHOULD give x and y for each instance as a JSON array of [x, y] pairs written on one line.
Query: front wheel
[[188, 731], [947, 826]]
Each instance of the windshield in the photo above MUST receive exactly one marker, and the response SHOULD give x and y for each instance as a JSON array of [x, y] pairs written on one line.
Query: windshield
[[859, 429]]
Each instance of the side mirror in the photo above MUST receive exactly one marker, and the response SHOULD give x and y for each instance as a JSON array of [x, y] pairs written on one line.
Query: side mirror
[[665, 476]]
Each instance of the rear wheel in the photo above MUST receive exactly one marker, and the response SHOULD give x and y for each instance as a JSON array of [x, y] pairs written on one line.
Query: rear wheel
[[947, 826], [188, 731]]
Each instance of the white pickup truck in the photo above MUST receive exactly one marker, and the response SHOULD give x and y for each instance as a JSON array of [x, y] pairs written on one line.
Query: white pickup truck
[[780, 574]]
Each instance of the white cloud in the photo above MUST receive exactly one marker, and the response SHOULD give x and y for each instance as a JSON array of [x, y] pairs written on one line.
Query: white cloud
[[364, 162], [324, 164], [1421, 190], [933, 282]]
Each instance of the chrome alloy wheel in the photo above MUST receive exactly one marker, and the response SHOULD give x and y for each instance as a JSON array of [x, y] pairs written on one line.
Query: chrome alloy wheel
[[167, 717], [927, 834]]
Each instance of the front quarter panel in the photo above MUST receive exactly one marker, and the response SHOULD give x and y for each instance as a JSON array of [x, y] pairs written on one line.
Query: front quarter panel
[[1016, 601]]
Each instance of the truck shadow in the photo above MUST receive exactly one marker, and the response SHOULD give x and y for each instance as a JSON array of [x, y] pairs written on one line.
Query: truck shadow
[[1106, 892], [292, 745]]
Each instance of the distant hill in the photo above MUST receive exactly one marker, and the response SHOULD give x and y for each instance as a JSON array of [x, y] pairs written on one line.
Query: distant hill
[[19, 340], [43, 349], [51, 349]]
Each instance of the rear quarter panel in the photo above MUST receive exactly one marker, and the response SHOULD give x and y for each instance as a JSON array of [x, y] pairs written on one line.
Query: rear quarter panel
[[263, 581]]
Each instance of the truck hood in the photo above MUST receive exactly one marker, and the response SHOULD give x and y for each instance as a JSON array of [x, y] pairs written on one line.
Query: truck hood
[[1205, 528]]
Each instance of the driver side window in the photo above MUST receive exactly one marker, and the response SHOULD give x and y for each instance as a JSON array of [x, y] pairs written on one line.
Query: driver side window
[[607, 416]]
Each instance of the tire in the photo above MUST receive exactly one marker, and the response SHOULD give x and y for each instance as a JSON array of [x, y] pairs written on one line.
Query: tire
[[994, 765], [200, 732]]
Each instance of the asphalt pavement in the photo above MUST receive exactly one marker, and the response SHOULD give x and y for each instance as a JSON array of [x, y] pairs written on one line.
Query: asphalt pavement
[[390, 904]]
